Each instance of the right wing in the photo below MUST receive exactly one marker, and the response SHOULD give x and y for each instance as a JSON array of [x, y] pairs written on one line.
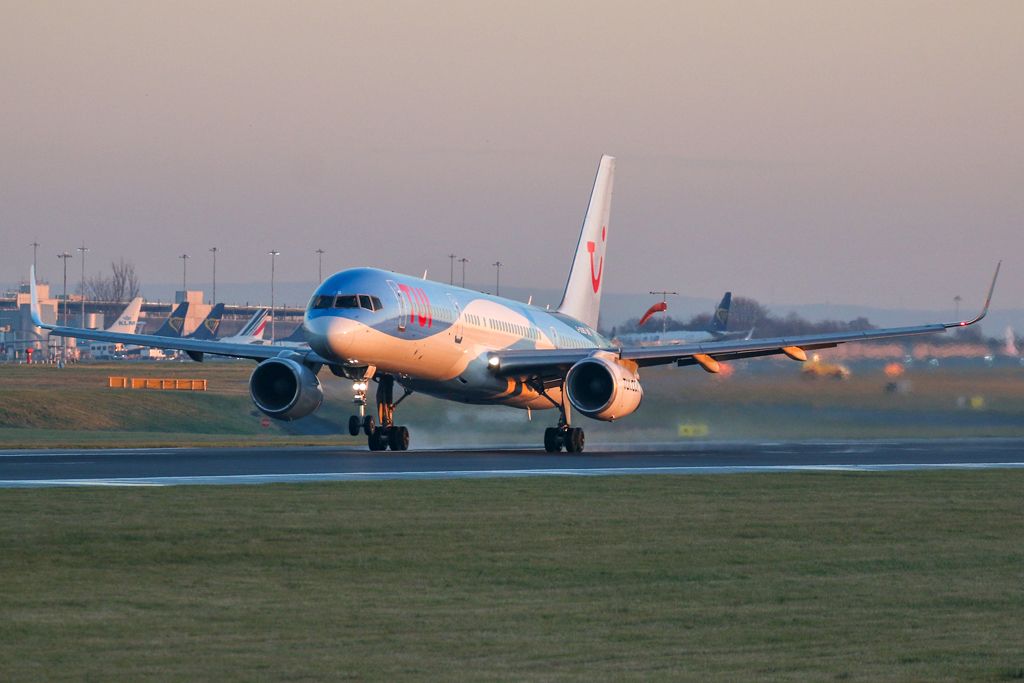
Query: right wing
[[195, 348], [550, 365]]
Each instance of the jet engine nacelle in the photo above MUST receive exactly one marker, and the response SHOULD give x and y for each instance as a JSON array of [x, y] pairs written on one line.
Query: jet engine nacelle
[[285, 389], [603, 389]]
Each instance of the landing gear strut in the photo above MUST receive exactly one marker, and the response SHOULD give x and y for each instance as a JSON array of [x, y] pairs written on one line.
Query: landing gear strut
[[564, 435], [361, 422], [388, 434]]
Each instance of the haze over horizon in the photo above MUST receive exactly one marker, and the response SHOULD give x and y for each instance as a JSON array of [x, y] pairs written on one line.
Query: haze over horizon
[[797, 152]]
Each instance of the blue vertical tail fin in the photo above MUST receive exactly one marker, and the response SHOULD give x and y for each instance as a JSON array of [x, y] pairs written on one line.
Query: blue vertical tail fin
[[720, 321], [209, 327], [175, 322]]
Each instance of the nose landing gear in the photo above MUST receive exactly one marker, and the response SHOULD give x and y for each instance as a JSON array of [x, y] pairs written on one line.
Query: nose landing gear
[[361, 422], [388, 434]]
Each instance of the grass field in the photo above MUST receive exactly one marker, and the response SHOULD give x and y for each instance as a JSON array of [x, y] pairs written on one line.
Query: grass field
[[49, 407], [901, 576]]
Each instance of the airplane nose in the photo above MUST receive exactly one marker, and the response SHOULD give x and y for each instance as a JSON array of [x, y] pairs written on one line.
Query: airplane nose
[[333, 336]]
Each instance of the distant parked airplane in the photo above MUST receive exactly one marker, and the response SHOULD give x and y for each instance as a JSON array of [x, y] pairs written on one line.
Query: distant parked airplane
[[453, 343]]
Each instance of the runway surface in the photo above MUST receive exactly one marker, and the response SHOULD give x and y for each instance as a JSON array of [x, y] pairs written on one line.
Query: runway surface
[[259, 465]]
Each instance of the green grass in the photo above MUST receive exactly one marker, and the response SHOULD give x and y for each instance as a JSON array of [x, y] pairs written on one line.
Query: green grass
[[900, 576]]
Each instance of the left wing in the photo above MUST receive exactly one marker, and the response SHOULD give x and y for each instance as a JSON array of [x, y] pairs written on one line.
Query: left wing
[[551, 364], [195, 348]]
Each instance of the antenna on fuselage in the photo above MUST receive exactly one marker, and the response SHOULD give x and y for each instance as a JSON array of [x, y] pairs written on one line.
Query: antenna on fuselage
[[425, 273], [529, 302]]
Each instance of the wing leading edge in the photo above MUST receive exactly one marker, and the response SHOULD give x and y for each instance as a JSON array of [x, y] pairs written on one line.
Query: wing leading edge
[[195, 348], [547, 364]]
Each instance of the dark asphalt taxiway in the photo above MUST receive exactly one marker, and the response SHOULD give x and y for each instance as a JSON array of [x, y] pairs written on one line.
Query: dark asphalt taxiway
[[259, 465]]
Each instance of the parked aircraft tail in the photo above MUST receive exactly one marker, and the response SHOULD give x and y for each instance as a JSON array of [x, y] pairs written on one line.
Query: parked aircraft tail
[[256, 325], [720, 321], [209, 327], [582, 297], [175, 322], [129, 318]]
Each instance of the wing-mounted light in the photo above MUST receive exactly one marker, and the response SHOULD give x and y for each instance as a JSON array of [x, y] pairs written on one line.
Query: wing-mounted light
[[984, 310]]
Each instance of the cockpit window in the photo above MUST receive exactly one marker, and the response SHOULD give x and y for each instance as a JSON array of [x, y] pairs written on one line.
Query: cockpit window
[[346, 301], [364, 301], [370, 303]]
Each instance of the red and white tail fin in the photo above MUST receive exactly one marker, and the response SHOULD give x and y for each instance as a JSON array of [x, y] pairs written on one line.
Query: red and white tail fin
[[582, 297]]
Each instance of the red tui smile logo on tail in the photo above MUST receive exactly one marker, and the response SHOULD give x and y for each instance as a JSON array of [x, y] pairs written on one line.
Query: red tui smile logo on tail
[[595, 275]]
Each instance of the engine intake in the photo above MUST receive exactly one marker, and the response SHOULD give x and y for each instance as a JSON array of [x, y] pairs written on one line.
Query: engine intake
[[285, 389], [603, 389]]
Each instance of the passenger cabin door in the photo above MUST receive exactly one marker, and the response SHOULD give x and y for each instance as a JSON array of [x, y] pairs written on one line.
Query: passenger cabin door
[[403, 305], [457, 323]]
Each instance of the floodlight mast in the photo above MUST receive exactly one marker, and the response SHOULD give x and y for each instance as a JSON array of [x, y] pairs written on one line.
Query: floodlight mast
[[184, 273], [273, 317], [213, 297], [64, 256], [83, 249]]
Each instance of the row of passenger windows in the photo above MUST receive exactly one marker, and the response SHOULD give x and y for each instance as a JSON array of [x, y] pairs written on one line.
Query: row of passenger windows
[[571, 342], [370, 303], [514, 328]]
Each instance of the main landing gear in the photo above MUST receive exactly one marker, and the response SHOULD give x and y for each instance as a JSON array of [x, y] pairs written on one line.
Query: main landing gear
[[571, 439], [388, 434], [564, 435]]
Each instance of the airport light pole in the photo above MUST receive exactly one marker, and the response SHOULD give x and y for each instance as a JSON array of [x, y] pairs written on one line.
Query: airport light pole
[[664, 314], [320, 265], [497, 277], [956, 300], [213, 298], [64, 256], [184, 273], [463, 261], [451, 269], [273, 317], [83, 249]]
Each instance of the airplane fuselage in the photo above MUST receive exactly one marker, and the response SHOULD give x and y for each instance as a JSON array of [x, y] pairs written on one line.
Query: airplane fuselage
[[434, 338]]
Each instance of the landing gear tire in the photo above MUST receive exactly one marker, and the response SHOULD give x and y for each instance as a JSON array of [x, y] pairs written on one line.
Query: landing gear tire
[[378, 439], [552, 440], [368, 425], [574, 440], [355, 425], [398, 438]]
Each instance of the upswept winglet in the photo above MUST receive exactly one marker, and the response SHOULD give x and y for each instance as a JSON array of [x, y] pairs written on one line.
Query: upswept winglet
[[984, 309], [34, 298]]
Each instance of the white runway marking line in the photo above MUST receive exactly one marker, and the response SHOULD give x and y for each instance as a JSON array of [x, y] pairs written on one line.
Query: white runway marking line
[[492, 474]]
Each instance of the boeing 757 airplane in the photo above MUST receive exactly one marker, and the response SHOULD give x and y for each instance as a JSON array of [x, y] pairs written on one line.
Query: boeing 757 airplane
[[371, 325]]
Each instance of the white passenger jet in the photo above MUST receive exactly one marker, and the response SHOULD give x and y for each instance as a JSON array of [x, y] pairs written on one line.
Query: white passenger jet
[[374, 325]]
